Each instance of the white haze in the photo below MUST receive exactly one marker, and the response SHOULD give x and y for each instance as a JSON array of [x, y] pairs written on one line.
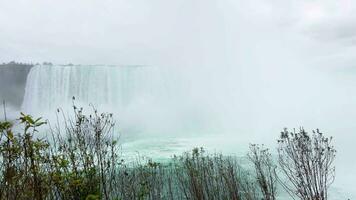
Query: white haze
[[251, 66]]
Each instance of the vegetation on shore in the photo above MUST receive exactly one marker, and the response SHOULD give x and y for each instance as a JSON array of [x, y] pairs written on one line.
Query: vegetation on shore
[[79, 159]]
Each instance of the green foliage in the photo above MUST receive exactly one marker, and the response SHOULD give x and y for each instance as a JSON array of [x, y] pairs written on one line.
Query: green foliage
[[74, 165], [23, 159], [92, 197], [81, 162]]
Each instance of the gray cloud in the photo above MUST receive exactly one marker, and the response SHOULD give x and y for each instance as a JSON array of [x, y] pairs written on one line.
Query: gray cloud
[[158, 31]]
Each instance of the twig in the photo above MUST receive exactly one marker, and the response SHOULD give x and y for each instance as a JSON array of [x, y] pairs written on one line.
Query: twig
[[4, 106]]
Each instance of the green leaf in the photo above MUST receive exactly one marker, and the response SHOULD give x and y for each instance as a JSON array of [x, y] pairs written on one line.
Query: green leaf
[[29, 119], [40, 123], [10, 135], [38, 119]]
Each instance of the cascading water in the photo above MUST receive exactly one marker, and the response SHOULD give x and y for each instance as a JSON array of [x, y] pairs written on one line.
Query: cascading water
[[51, 87], [143, 99], [150, 107], [155, 112], [132, 93]]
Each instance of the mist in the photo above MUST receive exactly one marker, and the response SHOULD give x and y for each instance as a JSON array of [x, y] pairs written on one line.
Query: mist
[[245, 69]]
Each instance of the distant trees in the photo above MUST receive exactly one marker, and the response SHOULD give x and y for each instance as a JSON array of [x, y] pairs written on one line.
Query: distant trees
[[47, 63], [13, 63]]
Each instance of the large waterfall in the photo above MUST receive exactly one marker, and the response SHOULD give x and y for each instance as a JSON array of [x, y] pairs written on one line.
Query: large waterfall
[[142, 98], [132, 93], [50, 87]]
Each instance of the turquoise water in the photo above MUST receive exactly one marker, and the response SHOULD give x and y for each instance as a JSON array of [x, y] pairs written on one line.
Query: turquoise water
[[163, 149]]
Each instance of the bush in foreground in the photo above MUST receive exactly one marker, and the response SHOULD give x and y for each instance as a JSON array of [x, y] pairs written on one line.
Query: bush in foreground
[[80, 160], [265, 171], [307, 163]]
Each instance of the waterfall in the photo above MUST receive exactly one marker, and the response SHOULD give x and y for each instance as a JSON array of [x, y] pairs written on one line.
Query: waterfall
[[115, 87], [143, 99]]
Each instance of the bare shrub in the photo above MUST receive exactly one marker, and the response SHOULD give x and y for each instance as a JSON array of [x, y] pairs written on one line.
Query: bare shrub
[[307, 163], [84, 156], [142, 180], [265, 170], [204, 176]]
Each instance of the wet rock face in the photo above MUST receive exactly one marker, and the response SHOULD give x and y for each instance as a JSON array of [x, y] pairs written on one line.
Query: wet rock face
[[12, 82]]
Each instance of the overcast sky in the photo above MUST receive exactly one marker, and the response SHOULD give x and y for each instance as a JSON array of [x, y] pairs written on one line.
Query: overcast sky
[[156, 32]]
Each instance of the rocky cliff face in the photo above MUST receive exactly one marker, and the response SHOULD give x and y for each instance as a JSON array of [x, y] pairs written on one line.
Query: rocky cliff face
[[12, 82]]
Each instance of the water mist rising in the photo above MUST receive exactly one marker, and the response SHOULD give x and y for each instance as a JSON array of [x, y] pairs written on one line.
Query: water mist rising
[[142, 99]]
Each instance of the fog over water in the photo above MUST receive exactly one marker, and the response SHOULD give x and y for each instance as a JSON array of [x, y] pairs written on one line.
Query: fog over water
[[239, 69]]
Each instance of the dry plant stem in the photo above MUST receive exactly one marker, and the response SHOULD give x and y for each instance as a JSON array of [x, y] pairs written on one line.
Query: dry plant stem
[[307, 163], [265, 170]]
